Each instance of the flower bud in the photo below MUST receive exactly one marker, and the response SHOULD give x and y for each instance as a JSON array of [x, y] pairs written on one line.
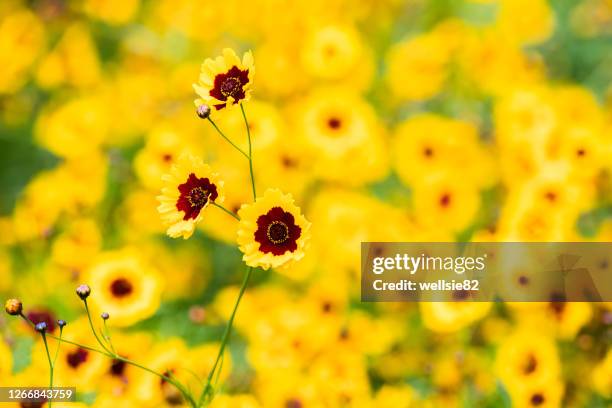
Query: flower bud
[[105, 315], [83, 291], [14, 307], [203, 111], [61, 323], [41, 327]]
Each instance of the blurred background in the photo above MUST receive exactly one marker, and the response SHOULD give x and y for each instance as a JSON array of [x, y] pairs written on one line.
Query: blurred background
[[414, 120]]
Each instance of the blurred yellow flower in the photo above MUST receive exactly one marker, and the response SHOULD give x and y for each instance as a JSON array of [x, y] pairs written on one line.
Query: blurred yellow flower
[[602, 375], [73, 61], [6, 362], [124, 286], [343, 136], [527, 357], [22, 37], [62, 130]]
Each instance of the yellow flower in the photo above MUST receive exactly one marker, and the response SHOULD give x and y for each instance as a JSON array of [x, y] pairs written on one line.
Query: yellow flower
[[112, 12], [332, 51], [526, 21], [61, 129], [527, 357], [22, 37], [118, 377], [400, 396], [417, 67], [6, 361], [602, 376], [541, 395], [449, 317], [446, 203], [163, 146], [225, 81], [273, 232], [343, 134], [189, 188], [235, 401], [124, 286], [73, 61]]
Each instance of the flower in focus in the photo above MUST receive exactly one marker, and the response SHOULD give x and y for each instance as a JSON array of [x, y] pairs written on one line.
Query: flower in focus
[[124, 286], [189, 188], [273, 232], [225, 81]]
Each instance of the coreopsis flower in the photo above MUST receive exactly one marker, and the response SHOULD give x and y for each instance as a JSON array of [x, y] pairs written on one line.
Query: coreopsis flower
[[189, 188], [272, 232], [225, 80], [126, 287]]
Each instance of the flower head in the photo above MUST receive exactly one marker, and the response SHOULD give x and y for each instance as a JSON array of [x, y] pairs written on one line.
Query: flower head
[[225, 80], [83, 291], [189, 188], [61, 323], [127, 287], [14, 307], [272, 231], [41, 327]]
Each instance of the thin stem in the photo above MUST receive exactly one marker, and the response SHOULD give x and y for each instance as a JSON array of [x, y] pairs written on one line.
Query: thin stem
[[108, 337], [227, 138], [107, 353], [58, 346], [93, 329], [246, 124], [226, 333], [44, 337], [233, 214]]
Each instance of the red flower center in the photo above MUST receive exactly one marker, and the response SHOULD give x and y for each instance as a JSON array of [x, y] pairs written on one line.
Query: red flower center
[[537, 399], [195, 194], [117, 368], [230, 85], [277, 232], [39, 316], [334, 123], [76, 358], [121, 287]]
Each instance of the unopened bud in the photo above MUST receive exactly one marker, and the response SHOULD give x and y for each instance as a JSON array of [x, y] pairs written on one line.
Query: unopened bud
[[41, 327], [105, 315], [203, 111], [83, 291], [14, 307]]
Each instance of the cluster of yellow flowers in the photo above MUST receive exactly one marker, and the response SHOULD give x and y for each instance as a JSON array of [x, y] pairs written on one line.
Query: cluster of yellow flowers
[[392, 120]]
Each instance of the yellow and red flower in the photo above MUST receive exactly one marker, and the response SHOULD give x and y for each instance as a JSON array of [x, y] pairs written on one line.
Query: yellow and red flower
[[189, 188], [273, 232], [225, 80]]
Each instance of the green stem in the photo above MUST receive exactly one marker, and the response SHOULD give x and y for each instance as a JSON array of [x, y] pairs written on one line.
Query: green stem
[[106, 353], [246, 124], [227, 138], [226, 334], [226, 210], [44, 337], [58, 346], [108, 337], [93, 329]]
